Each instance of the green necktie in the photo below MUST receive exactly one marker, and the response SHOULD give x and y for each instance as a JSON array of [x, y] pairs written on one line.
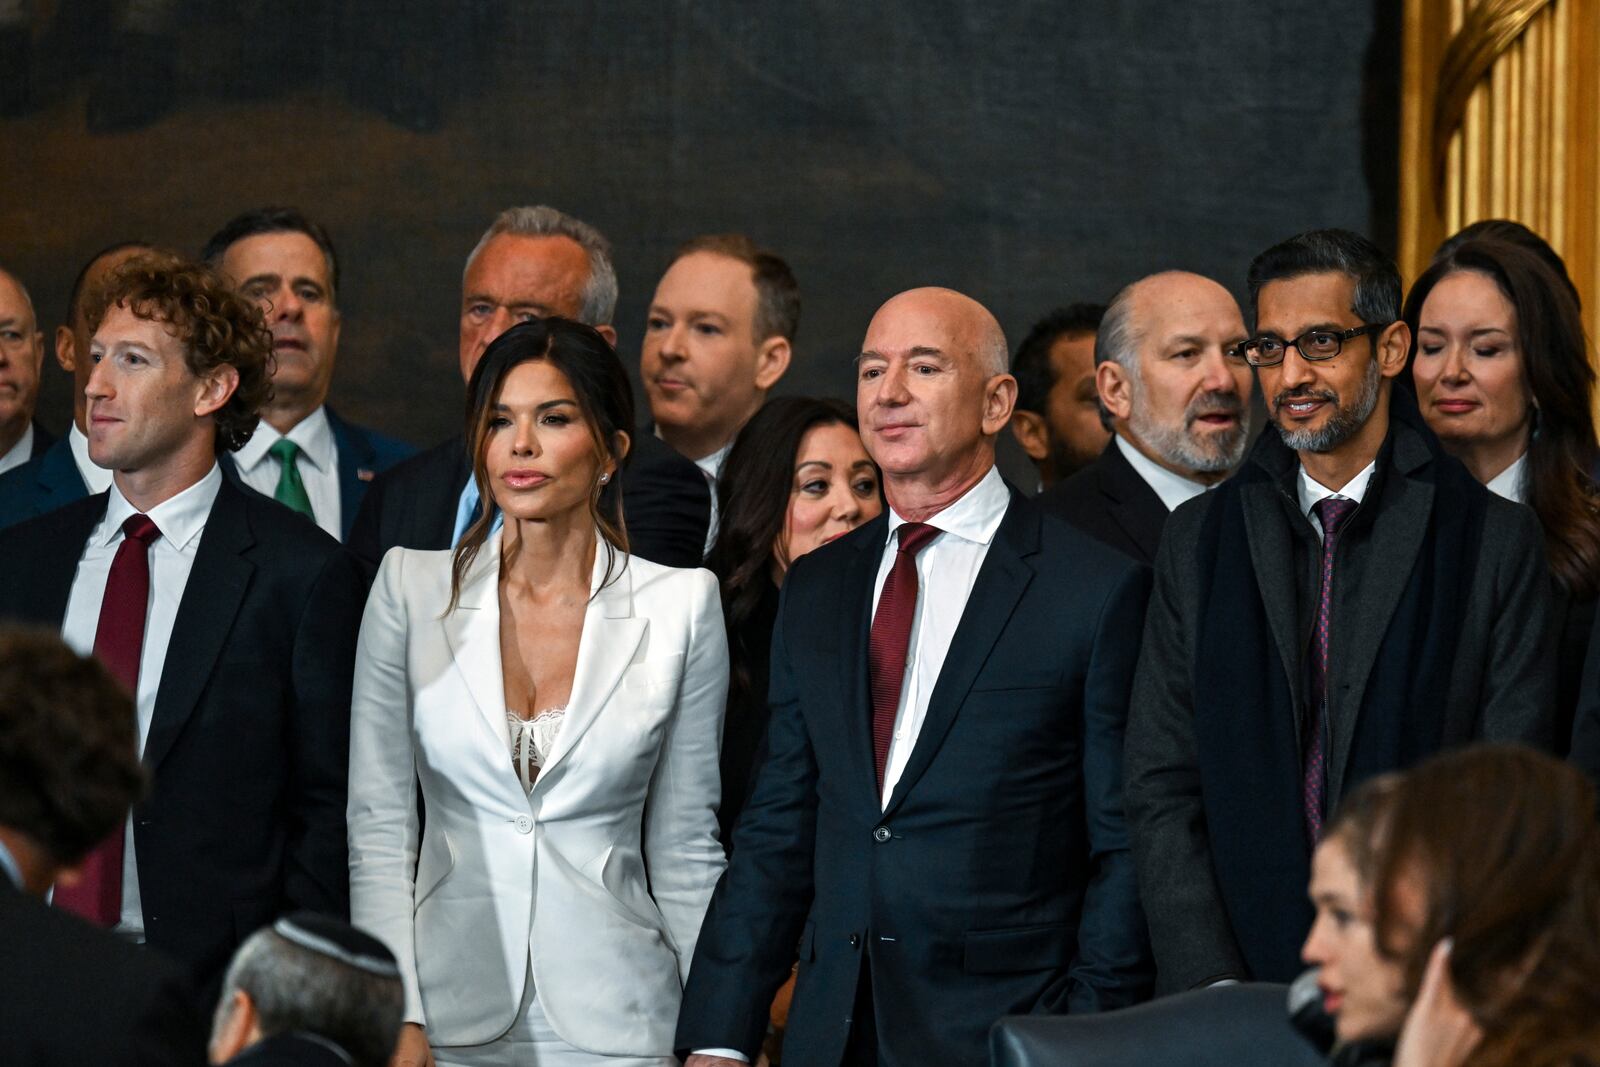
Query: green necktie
[[291, 491]]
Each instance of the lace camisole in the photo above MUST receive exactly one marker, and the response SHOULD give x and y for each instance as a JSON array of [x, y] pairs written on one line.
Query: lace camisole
[[532, 741]]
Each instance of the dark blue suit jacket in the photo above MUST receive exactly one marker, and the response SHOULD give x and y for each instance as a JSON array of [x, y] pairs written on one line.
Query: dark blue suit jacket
[[51, 480], [998, 879]]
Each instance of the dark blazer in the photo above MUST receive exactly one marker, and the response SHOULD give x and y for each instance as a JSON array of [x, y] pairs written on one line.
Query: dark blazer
[[292, 1050], [1586, 725], [997, 880], [745, 724], [42, 440], [1111, 502], [363, 455], [249, 742], [666, 504], [51, 479], [1501, 687], [72, 994]]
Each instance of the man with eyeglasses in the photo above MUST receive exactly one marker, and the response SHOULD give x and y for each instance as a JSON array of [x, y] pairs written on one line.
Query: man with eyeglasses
[[1347, 604]]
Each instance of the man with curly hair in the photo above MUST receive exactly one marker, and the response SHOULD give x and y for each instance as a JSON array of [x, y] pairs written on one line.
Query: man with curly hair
[[231, 620]]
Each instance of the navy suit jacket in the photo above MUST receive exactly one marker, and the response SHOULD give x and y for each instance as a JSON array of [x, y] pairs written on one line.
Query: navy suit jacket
[[998, 879], [51, 480], [248, 745]]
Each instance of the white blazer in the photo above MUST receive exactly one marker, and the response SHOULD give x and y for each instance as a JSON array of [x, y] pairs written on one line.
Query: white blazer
[[603, 872]]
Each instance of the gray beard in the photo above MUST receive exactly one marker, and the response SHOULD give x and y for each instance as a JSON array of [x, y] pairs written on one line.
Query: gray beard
[[1343, 424], [1177, 447]]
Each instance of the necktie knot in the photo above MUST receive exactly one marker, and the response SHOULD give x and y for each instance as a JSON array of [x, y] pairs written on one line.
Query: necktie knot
[[1332, 511], [284, 451], [914, 537], [140, 528]]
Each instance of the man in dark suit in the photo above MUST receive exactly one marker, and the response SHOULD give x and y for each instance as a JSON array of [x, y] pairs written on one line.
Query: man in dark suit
[[535, 261], [232, 621], [63, 472], [71, 994], [1350, 602], [1175, 391], [303, 455], [938, 820], [21, 356], [1057, 421]]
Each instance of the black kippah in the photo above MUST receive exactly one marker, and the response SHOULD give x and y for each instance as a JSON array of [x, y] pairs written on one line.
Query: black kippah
[[338, 940]]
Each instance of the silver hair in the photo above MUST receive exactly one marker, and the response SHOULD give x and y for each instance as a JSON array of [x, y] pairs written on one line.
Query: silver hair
[[295, 988], [1116, 341], [541, 220], [27, 297]]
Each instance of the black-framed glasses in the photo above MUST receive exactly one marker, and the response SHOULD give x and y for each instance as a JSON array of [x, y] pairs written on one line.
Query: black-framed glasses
[[1268, 351]]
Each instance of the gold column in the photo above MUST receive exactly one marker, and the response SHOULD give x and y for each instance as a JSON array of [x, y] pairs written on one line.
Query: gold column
[[1501, 119]]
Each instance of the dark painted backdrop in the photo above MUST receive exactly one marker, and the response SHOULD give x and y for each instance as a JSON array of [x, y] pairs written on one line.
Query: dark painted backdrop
[[1027, 153]]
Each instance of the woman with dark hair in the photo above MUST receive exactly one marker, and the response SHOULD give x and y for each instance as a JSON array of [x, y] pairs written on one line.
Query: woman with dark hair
[[1502, 375], [557, 704], [1457, 909], [796, 478]]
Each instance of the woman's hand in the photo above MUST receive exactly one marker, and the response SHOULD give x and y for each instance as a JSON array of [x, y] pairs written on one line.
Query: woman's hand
[[412, 1049], [1438, 1031]]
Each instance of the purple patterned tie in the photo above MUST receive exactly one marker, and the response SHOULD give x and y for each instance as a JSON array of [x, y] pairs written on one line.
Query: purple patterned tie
[[890, 639], [1331, 512]]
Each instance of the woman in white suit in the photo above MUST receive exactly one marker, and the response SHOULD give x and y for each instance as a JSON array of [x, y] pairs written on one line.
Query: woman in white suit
[[560, 703]]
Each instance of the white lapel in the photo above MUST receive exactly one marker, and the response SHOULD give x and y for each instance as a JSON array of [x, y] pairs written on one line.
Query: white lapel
[[473, 631], [611, 635]]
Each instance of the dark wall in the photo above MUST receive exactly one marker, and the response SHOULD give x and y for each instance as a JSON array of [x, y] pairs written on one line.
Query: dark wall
[[1027, 153]]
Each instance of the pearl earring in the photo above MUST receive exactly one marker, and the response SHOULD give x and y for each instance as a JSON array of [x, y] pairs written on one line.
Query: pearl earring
[[604, 478]]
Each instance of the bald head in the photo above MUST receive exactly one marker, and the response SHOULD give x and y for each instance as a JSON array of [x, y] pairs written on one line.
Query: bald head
[[1167, 383], [21, 352], [931, 393]]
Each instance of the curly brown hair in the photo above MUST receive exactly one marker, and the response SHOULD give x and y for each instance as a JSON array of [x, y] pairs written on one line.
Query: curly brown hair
[[216, 326], [69, 746]]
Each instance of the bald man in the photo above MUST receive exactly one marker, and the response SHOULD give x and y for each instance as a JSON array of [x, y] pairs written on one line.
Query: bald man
[[1175, 392], [63, 472], [938, 821], [21, 354]]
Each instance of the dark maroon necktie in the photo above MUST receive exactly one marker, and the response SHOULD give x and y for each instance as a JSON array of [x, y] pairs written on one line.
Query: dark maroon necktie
[[118, 642], [1331, 513], [891, 638]]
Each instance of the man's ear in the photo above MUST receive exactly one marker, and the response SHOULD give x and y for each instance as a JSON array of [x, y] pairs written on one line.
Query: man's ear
[[609, 332], [1394, 347], [772, 359], [999, 400], [215, 389], [1032, 433], [1116, 390], [234, 1027], [622, 443], [66, 349]]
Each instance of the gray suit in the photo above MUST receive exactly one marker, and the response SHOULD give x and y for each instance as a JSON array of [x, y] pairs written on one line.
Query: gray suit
[[1500, 684]]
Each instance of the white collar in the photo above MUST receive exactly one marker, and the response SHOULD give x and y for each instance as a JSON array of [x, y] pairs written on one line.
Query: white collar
[[22, 449], [712, 464], [1171, 487], [313, 434], [95, 477], [1508, 483], [180, 518], [1313, 492], [974, 516]]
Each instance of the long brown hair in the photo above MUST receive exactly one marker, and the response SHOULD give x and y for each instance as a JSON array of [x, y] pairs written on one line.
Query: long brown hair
[[1505, 847], [1562, 449], [605, 400]]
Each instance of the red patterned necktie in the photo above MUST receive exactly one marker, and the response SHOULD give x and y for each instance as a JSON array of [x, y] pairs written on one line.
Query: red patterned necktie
[[1331, 513], [118, 642], [891, 638]]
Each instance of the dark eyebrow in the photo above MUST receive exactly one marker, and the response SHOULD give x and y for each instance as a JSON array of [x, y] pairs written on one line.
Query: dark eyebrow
[[267, 276], [815, 463]]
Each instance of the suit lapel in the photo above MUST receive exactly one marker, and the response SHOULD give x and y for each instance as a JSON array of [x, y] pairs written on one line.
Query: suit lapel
[[855, 631], [473, 633], [611, 636], [59, 479], [46, 581], [211, 600], [356, 457], [1272, 556], [1134, 506], [1001, 581]]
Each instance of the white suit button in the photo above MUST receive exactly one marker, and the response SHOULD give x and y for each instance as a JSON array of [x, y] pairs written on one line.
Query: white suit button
[[524, 824]]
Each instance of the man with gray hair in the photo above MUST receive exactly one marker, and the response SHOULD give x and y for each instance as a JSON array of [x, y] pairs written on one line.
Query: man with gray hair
[[1174, 390], [21, 355], [309, 991], [533, 262]]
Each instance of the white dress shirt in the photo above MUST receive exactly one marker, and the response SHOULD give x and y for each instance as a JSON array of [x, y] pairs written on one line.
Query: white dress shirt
[[318, 463], [711, 466], [97, 479], [1173, 489], [1313, 492], [1508, 483], [181, 520], [20, 452]]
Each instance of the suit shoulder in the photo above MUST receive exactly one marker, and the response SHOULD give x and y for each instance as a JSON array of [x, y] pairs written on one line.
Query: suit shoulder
[[38, 528], [1509, 526], [439, 461], [386, 451], [677, 582], [73, 943], [1065, 545], [1067, 496]]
